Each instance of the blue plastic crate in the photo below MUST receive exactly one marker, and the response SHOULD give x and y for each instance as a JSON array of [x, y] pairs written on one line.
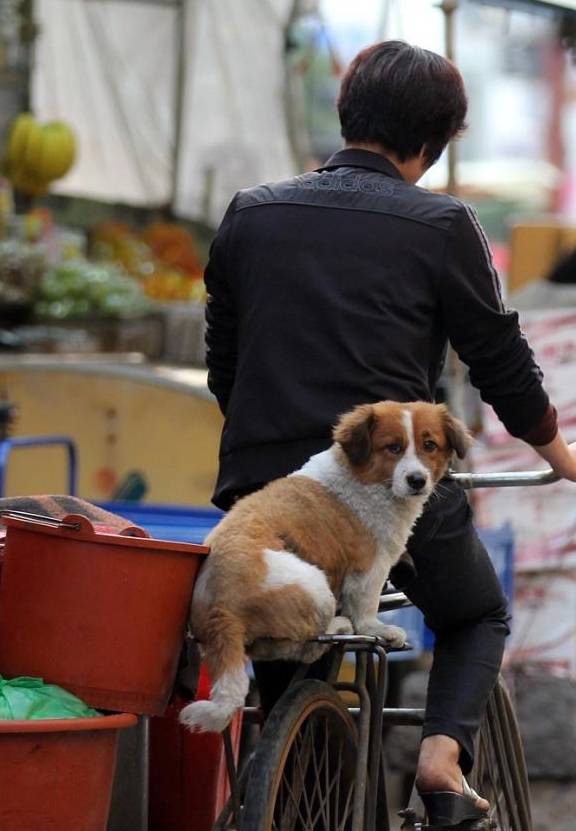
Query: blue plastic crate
[[183, 524], [168, 522]]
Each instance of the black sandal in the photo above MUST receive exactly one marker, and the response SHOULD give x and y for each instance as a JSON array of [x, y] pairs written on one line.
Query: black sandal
[[448, 809]]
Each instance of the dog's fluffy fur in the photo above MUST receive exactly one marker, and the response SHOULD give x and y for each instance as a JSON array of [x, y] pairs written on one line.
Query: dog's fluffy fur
[[310, 553]]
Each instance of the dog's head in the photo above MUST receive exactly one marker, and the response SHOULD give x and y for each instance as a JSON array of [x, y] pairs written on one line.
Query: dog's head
[[406, 446]]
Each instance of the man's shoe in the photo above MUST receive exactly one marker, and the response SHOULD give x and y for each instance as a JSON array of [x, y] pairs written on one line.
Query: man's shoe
[[455, 811]]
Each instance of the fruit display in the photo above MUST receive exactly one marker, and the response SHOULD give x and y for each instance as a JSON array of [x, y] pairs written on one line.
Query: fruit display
[[163, 258], [38, 154], [21, 268], [174, 246], [78, 288]]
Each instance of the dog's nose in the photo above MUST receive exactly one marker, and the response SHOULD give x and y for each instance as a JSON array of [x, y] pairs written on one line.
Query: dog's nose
[[416, 481]]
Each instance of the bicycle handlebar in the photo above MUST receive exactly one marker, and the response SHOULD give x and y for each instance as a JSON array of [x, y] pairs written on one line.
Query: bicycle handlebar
[[505, 480], [396, 600]]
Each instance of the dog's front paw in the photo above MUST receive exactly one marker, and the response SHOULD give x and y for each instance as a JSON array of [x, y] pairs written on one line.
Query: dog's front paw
[[392, 635], [340, 625]]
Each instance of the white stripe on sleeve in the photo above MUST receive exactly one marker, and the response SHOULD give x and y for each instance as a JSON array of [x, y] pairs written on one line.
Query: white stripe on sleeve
[[484, 243]]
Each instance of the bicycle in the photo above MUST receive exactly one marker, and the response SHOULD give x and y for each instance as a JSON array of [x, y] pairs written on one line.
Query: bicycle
[[319, 762]]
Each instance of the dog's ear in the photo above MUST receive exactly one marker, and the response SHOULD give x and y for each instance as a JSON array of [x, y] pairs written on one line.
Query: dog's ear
[[457, 433], [354, 433]]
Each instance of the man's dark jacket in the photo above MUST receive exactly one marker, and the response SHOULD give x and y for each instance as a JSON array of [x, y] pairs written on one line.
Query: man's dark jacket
[[340, 287]]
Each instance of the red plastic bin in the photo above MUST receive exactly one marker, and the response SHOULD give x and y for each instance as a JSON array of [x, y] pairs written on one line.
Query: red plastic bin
[[102, 615], [58, 773], [188, 778]]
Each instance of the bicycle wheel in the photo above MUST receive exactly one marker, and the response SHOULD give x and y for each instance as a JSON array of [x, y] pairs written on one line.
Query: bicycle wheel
[[499, 773], [302, 774]]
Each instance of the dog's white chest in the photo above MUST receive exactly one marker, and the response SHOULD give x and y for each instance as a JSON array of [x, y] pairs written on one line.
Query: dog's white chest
[[389, 518]]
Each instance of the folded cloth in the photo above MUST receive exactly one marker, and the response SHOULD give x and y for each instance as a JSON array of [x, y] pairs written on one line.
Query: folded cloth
[[58, 507]]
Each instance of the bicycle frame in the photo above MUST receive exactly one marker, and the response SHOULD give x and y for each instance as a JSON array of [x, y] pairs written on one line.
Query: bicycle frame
[[370, 808], [370, 681]]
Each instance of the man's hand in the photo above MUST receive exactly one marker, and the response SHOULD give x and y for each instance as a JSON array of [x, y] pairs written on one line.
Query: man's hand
[[560, 456]]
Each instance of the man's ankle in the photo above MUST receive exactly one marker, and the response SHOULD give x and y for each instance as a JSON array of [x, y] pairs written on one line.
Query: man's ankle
[[438, 765]]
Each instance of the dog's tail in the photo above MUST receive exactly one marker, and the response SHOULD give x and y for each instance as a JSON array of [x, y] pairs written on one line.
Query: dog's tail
[[225, 661]]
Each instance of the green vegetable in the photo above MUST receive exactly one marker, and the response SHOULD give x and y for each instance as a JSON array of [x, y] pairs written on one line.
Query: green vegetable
[[78, 288]]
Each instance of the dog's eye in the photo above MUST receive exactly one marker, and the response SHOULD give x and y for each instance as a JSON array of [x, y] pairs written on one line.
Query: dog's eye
[[430, 446], [394, 448]]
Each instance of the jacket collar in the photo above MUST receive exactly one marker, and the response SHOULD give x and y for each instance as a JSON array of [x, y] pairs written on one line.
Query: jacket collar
[[352, 157]]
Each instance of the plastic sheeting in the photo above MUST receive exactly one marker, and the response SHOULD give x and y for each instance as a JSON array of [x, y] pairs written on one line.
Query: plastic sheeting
[[234, 127], [109, 68]]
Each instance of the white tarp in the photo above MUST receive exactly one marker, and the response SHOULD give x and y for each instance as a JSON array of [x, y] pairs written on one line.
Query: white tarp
[[235, 131], [109, 67]]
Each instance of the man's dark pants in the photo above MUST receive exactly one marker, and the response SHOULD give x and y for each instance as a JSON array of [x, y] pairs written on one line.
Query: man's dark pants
[[457, 589]]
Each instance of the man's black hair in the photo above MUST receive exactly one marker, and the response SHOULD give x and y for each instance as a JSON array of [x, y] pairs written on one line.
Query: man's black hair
[[404, 98]]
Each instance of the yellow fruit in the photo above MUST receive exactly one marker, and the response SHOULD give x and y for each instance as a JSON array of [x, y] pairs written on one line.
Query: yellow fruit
[[38, 152], [20, 131], [26, 182], [55, 153], [32, 149]]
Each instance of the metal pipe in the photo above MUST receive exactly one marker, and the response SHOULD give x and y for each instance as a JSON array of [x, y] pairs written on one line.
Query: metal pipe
[[510, 479], [377, 684], [448, 8], [364, 723], [399, 717], [181, 25], [388, 602], [232, 773], [7, 445], [253, 715]]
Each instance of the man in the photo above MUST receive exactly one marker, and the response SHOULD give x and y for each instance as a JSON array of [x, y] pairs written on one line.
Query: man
[[344, 286]]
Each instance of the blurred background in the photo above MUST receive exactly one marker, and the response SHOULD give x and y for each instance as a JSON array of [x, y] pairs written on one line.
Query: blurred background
[[126, 126]]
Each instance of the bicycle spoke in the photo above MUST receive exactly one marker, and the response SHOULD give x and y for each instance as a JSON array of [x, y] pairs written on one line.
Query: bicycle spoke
[[489, 785], [288, 817], [512, 741], [303, 776], [337, 798], [500, 772], [507, 785], [347, 808], [309, 791], [308, 797], [317, 784], [289, 801], [287, 807], [328, 787], [294, 802]]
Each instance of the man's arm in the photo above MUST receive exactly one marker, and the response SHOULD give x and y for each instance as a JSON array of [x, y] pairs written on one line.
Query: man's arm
[[221, 321], [488, 338]]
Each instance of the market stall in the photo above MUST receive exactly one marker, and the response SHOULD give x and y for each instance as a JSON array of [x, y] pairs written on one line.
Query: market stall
[[143, 432]]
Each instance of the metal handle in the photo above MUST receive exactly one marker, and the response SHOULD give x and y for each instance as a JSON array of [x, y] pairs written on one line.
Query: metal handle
[[7, 445], [40, 519]]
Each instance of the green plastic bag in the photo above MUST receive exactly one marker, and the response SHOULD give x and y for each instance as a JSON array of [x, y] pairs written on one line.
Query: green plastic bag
[[32, 699]]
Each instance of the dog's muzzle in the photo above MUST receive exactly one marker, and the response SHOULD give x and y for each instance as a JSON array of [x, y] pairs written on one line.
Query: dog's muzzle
[[416, 482]]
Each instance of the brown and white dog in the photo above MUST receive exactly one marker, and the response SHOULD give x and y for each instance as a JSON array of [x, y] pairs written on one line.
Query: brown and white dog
[[286, 558]]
